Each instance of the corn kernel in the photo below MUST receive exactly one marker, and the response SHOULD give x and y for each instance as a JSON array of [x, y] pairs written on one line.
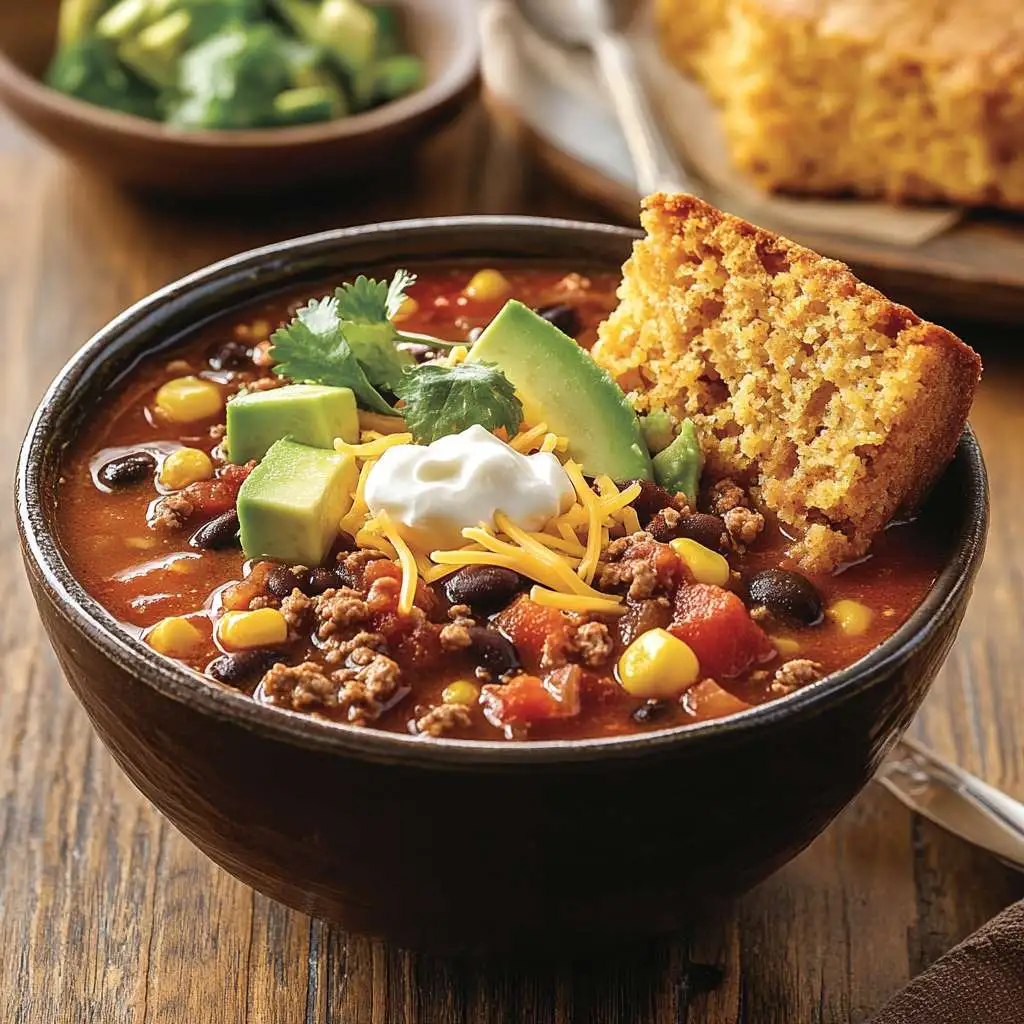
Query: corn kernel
[[409, 307], [488, 286], [174, 637], [786, 646], [184, 467], [264, 627], [457, 355], [852, 617], [185, 399], [706, 565], [658, 664], [462, 691]]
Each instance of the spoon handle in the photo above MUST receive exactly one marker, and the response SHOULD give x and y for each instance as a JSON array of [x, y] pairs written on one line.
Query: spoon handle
[[955, 800], [657, 167]]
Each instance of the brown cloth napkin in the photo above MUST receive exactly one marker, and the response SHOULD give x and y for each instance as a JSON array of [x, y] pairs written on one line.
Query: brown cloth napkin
[[981, 981]]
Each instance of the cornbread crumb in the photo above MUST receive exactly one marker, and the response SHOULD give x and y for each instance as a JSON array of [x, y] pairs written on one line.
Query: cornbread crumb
[[838, 407], [908, 100]]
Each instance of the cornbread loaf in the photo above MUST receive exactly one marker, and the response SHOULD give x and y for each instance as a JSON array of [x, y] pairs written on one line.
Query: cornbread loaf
[[837, 406], [904, 99]]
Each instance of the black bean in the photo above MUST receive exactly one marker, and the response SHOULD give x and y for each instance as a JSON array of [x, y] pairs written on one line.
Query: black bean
[[126, 470], [485, 588], [787, 595], [705, 529], [316, 581], [220, 532], [492, 650], [651, 499], [565, 318], [651, 711], [232, 355], [242, 667], [282, 581]]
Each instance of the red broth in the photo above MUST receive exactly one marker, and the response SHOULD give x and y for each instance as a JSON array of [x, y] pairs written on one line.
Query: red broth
[[143, 575]]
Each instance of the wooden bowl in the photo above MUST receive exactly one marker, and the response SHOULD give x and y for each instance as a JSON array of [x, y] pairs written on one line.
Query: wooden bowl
[[154, 157], [456, 844]]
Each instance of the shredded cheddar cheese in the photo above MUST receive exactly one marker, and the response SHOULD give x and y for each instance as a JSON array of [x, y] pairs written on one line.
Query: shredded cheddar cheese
[[562, 560], [407, 560], [576, 603], [372, 449]]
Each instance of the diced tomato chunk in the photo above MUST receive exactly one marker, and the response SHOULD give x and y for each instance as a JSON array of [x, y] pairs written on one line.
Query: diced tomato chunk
[[708, 700], [415, 645], [212, 497], [719, 630], [535, 630], [525, 699]]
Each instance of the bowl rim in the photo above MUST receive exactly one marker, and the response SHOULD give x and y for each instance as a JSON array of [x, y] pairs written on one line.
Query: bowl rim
[[456, 76], [44, 559]]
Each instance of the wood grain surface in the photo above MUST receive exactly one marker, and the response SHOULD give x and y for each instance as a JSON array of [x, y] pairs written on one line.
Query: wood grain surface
[[108, 915]]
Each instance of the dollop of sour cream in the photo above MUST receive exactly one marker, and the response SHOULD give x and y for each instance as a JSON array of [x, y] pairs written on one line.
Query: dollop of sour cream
[[431, 492]]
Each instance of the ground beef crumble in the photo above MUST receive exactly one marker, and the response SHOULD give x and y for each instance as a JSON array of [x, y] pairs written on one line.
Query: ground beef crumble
[[743, 524], [594, 643], [171, 512], [298, 612], [794, 674], [362, 692], [726, 495], [444, 718], [337, 610], [455, 636], [640, 563]]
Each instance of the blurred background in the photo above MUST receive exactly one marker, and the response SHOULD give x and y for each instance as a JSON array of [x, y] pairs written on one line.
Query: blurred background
[[143, 139]]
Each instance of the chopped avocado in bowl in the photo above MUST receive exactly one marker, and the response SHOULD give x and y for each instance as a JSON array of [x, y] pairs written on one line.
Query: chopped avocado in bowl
[[232, 64]]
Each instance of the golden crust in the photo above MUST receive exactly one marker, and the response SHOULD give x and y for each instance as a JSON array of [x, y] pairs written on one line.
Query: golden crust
[[837, 405], [904, 99]]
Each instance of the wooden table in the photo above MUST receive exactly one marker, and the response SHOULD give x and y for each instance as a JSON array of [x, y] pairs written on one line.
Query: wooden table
[[108, 915]]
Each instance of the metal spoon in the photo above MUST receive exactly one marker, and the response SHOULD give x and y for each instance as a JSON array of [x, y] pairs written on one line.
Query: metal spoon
[[598, 25], [955, 800]]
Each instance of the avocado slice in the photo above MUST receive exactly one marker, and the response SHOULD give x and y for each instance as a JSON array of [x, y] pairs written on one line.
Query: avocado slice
[[308, 413], [291, 504], [560, 385], [658, 431], [679, 466]]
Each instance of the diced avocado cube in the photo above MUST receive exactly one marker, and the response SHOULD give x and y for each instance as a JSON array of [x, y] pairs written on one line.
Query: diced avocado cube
[[679, 466], [309, 104], [153, 53], [77, 18], [560, 385], [657, 430], [291, 504], [344, 28], [124, 18], [397, 76], [308, 413]]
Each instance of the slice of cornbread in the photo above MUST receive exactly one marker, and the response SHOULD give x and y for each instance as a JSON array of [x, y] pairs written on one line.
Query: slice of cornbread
[[906, 99], [837, 406]]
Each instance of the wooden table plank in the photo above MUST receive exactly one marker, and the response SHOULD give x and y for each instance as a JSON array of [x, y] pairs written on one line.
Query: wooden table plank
[[107, 914]]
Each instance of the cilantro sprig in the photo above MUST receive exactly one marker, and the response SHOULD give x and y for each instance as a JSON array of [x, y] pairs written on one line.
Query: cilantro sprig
[[441, 400], [314, 348], [350, 340]]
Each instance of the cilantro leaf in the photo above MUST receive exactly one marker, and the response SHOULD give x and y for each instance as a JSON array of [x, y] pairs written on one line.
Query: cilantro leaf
[[313, 348], [366, 307], [368, 301], [442, 400]]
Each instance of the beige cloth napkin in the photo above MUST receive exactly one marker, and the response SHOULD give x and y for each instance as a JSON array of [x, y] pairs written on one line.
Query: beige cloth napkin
[[559, 95]]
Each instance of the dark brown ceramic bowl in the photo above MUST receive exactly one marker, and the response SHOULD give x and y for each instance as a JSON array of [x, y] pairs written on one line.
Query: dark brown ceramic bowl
[[151, 156], [452, 844]]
